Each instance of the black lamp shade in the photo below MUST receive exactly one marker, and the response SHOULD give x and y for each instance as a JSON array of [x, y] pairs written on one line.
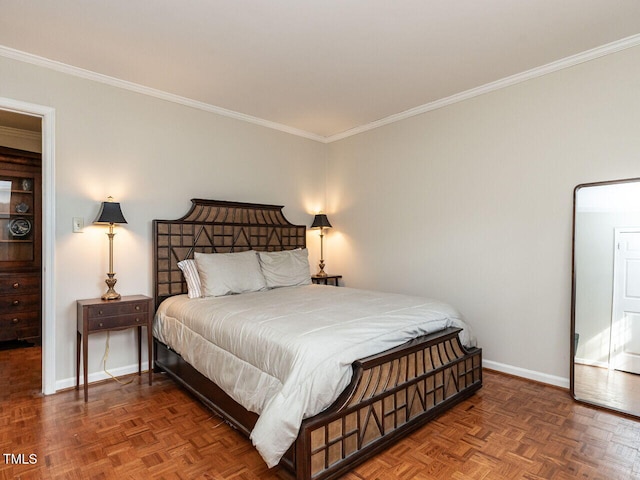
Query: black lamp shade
[[320, 221], [110, 213]]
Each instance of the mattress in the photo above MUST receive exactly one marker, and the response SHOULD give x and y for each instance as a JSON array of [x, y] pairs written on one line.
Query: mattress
[[286, 353]]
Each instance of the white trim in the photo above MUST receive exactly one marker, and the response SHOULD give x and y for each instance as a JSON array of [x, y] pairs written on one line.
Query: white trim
[[552, 67], [499, 367], [591, 363], [48, 251], [48, 234], [152, 92], [67, 383], [571, 61], [529, 374]]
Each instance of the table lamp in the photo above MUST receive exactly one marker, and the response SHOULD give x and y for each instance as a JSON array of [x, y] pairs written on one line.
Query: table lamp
[[110, 214], [321, 221]]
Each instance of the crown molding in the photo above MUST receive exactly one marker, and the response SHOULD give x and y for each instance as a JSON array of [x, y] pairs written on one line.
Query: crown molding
[[21, 139], [19, 133], [152, 92], [552, 67], [567, 62]]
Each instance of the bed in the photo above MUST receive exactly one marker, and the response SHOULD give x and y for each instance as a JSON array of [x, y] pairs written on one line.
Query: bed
[[386, 394]]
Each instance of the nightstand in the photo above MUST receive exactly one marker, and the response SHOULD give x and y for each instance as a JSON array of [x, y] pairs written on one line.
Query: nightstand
[[97, 315], [325, 279]]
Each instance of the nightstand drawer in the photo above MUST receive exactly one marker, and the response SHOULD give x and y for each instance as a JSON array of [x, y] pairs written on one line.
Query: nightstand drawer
[[19, 284], [121, 321], [116, 309], [19, 303]]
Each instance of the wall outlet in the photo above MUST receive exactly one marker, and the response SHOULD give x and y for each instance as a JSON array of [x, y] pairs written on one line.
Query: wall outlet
[[78, 224]]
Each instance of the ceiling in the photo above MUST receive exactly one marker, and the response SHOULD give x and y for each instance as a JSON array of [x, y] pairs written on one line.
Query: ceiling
[[320, 69]]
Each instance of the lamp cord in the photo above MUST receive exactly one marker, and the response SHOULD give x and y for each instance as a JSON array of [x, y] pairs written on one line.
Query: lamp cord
[[104, 364]]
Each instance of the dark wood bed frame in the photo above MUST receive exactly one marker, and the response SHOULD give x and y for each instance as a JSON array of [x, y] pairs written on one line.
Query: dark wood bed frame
[[390, 394]]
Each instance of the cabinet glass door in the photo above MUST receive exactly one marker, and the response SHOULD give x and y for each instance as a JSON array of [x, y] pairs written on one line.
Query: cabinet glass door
[[16, 219]]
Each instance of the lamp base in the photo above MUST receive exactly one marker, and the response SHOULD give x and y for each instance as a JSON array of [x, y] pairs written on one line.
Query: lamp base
[[111, 294], [321, 273]]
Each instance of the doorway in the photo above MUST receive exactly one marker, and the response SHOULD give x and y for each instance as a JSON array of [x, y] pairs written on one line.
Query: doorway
[[20, 254], [48, 340]]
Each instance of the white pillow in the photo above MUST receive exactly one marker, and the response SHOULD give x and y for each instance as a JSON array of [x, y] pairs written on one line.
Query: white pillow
[[286, 268], [226, 273], [190, 272]]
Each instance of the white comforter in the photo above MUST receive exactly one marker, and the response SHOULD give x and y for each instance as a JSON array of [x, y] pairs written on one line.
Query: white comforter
[[286, 353]]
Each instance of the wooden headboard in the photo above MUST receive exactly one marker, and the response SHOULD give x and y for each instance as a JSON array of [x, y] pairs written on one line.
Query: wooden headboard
[[214, 226]]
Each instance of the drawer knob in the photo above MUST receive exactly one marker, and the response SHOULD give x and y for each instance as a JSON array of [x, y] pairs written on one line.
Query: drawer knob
[[16, 285], [101, 324], [16, 303], [15, 320], [138, 307], [99, 312], [137, 319]]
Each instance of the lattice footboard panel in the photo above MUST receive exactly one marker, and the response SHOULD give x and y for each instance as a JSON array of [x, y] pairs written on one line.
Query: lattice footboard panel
[[392, 395]]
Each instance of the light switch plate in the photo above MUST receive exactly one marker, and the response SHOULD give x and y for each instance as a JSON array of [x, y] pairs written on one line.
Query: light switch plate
[[78, 224]]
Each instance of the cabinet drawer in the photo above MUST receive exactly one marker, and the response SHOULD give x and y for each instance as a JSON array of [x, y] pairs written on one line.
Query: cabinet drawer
[[121, 321], [19, 284], [113, 309], [19, 303], [20, 325], [27, 333]]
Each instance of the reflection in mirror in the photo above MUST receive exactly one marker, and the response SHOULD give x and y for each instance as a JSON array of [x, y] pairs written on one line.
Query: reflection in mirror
[[605, 368]]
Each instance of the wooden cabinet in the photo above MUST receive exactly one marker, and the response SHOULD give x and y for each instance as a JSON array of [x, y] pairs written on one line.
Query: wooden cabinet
[[19, 307], [20, 245]]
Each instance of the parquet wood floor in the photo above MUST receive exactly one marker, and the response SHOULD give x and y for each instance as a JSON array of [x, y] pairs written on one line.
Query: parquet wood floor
[[619, 390], [511, 429]]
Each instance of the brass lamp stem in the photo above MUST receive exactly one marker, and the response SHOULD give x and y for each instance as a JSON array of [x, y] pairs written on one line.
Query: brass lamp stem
[[111, 294], [111, 235], [321, 273]]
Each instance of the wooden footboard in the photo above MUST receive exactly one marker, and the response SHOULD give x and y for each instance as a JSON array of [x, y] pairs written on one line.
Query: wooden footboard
[[391, 394]]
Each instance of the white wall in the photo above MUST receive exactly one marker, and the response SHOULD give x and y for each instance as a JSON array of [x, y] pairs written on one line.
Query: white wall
[[472, 204], [153, 156]]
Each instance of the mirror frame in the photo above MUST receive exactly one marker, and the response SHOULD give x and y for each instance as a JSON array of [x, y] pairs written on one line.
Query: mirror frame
[[572, 349]]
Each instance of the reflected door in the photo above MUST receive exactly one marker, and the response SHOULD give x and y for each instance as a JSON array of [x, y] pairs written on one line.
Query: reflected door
[[625, 332]]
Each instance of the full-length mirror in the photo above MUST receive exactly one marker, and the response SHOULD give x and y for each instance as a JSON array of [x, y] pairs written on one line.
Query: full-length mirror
[[605, 368]]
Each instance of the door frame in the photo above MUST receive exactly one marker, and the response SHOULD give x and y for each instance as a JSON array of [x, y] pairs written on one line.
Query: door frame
[[613, 328], [47, 114]]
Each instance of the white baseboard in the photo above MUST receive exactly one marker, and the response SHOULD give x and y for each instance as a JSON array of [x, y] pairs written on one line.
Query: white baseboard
[[592, 363], [499, 367], [529, 374], [98, 376]]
